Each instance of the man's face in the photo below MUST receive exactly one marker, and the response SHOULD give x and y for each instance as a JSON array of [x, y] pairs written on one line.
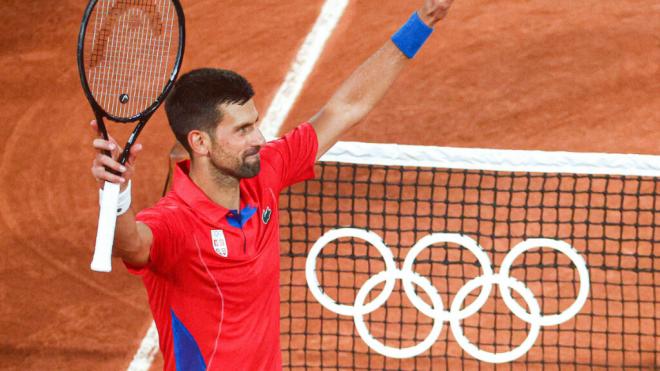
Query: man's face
[[236, 141]]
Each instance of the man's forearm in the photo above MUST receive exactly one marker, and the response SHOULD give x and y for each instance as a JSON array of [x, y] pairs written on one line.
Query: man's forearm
[[132, 240], [367, 85], [358, 95]]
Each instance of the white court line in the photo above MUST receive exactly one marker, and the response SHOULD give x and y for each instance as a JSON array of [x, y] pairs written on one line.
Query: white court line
[[302, 66], [279, 108], [145, 355]]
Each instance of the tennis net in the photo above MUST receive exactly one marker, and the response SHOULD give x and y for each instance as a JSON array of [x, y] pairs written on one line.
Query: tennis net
[[561, 211]]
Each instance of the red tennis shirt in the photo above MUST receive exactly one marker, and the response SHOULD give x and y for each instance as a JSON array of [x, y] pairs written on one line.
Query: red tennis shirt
[[213, 274]]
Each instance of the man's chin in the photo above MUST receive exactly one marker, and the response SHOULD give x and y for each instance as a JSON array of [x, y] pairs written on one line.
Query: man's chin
[[251, 169]]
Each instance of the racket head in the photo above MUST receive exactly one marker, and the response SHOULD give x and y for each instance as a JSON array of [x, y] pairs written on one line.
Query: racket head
[[129, 55]]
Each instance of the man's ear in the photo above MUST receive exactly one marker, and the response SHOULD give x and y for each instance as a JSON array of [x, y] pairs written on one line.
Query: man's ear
[[200, 142]]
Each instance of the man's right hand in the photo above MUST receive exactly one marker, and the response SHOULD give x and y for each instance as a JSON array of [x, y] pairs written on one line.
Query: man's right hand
[[132, 239], [102, 162]]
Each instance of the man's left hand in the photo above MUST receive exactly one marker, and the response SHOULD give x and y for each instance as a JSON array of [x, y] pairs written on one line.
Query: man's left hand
[[434, 10]]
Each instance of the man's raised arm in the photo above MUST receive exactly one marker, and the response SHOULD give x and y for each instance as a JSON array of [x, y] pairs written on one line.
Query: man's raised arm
[[360, 93]]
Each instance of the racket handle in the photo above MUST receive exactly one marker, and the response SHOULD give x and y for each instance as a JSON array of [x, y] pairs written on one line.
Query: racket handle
[[105, 234]]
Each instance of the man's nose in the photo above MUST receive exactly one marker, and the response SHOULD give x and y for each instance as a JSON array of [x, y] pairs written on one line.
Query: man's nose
[[258, 139]]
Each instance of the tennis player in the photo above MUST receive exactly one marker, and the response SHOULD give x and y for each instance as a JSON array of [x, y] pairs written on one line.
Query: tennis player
[[208, 252]]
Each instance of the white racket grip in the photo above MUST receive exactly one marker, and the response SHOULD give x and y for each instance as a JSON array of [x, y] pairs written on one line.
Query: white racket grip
[[105, 234]]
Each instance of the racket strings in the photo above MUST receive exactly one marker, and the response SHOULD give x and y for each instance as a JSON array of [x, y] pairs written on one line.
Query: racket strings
[[130, 53]]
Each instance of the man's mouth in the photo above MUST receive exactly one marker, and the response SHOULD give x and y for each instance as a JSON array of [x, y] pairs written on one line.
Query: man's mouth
[[252, 152]]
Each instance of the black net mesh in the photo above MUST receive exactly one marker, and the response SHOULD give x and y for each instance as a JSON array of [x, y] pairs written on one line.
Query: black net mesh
[[612, 222]]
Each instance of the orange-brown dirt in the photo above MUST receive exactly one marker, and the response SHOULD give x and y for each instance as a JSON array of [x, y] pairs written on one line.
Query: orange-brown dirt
[[555, 75]]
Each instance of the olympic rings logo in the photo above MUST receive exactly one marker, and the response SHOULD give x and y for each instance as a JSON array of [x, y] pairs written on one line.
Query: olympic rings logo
[[436, 311]]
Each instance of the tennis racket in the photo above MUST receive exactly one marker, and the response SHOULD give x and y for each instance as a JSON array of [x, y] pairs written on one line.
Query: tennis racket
[[129, 54]]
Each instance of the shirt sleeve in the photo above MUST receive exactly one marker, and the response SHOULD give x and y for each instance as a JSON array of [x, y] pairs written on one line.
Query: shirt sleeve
[[291, 158], [163, 249]]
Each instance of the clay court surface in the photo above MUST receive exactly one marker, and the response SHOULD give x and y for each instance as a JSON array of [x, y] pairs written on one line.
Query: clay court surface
[[553, 75]]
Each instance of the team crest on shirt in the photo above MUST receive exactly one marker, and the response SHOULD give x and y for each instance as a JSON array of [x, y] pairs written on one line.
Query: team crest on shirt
[[219, 242], [265, 216]]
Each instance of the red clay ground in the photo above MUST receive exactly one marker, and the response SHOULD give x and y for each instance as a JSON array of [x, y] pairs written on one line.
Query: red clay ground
[[557, 75]]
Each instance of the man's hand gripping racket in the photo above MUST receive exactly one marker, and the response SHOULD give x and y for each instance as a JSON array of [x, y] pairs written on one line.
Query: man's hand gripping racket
[[129, 54]]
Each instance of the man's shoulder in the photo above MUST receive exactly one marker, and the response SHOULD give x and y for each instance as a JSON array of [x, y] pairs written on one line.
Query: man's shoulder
[[168, 207], [280, 148], [303, 132]]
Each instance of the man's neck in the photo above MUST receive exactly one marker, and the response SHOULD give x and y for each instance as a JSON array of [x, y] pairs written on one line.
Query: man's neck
[[220, 188]]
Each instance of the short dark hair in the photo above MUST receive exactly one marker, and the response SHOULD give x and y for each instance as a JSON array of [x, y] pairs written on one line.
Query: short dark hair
[[193, 102]]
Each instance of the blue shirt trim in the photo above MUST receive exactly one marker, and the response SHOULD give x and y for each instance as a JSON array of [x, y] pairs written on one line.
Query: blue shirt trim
[[238, 220], [187, 355]]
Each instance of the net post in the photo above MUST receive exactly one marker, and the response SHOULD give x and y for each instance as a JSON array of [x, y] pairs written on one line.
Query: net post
[[177, 154]]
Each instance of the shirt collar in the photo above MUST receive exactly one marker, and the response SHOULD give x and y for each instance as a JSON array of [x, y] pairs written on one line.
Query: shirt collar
[[194, 197]]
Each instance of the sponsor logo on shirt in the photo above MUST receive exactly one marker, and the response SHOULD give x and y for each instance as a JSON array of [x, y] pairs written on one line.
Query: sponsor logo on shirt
[[219, 242], [265, 217]]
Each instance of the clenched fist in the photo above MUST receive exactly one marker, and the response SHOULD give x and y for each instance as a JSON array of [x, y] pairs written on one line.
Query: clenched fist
[[103, 163], [434, 10]]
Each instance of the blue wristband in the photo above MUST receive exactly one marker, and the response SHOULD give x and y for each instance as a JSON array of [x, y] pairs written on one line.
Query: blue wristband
[[412, 35]]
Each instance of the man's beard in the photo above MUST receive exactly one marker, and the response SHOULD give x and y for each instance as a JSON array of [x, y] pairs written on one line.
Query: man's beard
[[248, 168]]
